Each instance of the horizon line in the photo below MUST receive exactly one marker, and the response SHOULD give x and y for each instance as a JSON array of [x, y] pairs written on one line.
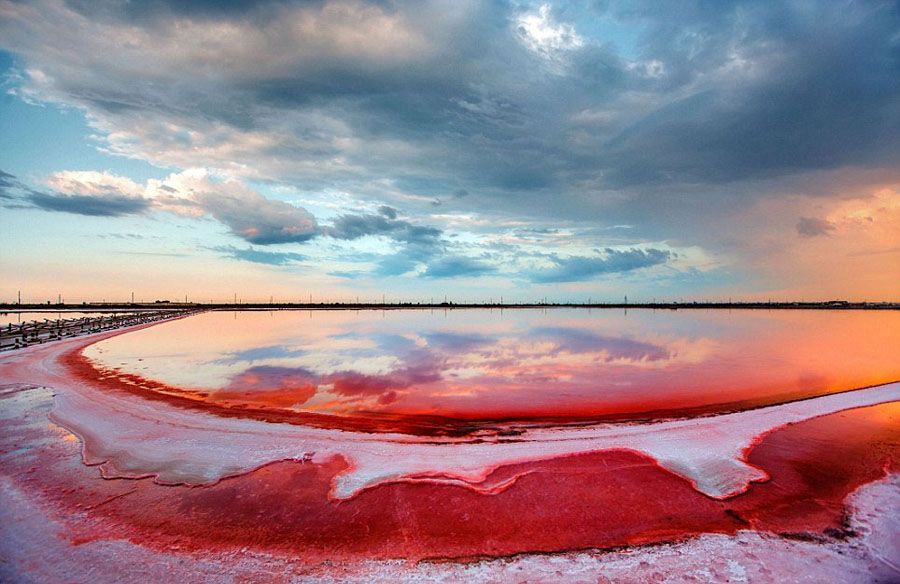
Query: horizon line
[[327, 304]]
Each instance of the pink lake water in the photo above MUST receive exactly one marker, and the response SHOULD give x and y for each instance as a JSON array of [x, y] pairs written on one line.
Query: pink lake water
[[433, 369]]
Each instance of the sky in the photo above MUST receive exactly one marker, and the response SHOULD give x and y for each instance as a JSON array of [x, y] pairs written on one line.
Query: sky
[[349, 149]]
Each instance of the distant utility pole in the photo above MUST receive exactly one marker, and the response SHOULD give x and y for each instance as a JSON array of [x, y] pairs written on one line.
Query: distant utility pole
[[59, 298], [20, 297], [132, 297], [235, 297]]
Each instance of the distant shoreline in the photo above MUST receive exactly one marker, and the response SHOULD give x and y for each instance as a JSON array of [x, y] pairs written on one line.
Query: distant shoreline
[[127, 306]]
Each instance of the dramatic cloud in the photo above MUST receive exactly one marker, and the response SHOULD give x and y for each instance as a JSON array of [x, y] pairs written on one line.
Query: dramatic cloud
[[673, 119], [573, 269], [346, 92], [247, 213]]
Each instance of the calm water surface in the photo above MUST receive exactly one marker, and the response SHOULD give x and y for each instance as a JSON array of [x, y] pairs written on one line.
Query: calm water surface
[[560, 364]]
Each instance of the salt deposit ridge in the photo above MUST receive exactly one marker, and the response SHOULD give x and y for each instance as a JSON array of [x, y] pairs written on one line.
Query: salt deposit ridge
[[130, 438]]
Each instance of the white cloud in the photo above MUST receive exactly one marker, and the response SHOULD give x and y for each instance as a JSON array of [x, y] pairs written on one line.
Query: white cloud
[[291, 39], [546, 37], [90, 183], [650, 69], [248, 214]]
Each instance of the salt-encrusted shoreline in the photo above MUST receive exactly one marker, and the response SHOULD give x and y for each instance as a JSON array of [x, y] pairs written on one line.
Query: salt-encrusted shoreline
[[31, 550]]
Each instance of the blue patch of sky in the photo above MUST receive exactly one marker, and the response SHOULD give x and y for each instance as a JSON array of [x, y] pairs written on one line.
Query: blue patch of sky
[[37, 140], [601, 27]]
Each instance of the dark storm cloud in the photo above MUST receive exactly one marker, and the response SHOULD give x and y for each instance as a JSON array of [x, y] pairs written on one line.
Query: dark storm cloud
[[578, 268], [442, 99]]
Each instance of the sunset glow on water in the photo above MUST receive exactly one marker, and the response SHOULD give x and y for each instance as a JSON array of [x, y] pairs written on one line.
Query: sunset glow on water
[[527, 365]]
